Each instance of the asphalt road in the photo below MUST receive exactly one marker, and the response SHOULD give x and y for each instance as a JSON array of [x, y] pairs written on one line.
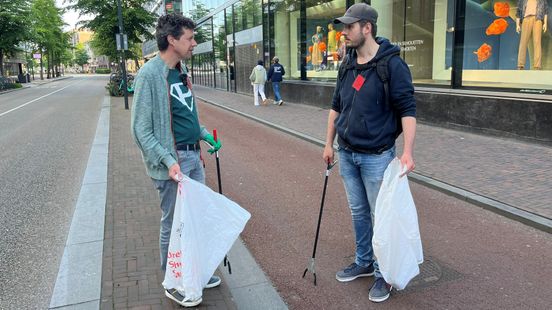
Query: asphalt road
[[45, 138], [474, 259]]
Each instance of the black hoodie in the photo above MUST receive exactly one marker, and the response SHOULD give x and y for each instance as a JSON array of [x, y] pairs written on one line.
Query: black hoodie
[[366, 123]]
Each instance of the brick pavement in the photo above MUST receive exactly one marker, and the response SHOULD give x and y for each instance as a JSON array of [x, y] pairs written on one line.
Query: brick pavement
[[131, 276], [509, 171]]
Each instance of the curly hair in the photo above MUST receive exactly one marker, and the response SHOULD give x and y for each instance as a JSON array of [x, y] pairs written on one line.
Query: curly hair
[[171, 24]]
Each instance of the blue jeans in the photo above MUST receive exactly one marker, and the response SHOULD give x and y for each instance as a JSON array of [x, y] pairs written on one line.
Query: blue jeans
[[362, 176], [276, 89], [190, 165]]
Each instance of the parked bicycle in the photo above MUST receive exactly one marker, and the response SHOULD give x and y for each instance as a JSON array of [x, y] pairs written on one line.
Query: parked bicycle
[[116, 82]]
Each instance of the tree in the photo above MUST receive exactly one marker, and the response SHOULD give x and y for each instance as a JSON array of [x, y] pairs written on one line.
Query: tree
[[137, 22], [47, 31], [13, 28], [81, 56]]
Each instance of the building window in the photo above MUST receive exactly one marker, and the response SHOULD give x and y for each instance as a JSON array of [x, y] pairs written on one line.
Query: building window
[[324, 39], [496, 55], [423, 30]]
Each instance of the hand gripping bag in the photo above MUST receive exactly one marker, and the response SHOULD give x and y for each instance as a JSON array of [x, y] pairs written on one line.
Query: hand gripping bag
[[396, 240], [205, 225]]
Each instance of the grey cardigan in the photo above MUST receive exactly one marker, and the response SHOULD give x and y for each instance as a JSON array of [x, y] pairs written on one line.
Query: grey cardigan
[[151, 119]]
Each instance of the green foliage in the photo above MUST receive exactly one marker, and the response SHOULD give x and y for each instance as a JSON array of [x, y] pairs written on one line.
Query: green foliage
[[103, 71], [137, 22], [81, 56], [13, 27]]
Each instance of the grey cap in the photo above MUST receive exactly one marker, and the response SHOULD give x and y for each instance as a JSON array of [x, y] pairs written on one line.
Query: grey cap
[[359, 11]]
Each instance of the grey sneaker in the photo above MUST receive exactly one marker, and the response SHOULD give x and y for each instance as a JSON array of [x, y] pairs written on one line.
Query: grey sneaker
[[380, 291], [213, 282], [280, 102], [354, 271], [179, 299]]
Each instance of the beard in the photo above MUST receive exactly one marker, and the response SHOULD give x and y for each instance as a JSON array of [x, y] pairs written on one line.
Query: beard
[[357, 44]]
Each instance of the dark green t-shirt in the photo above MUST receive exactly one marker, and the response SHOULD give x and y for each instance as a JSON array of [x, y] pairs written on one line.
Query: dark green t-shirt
[[184, 110]]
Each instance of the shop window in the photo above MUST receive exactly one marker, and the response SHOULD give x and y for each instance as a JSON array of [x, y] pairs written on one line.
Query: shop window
[[496, 54], [423, 30], [324, 41]]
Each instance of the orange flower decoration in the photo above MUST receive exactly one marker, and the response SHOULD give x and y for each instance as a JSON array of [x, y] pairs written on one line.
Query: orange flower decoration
[[502, 9], [310, 49], [337, 35], [322, 46], [497, 27], [483, 52]]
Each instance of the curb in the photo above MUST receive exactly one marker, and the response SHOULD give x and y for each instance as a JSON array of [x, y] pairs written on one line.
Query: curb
[[78, 283], [533, 220]]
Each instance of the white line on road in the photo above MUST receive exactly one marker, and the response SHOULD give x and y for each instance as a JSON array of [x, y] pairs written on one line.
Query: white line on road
[[2, 114]]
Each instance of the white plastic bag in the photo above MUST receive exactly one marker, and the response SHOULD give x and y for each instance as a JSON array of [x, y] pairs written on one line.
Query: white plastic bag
[[396, 241], [205, 225]]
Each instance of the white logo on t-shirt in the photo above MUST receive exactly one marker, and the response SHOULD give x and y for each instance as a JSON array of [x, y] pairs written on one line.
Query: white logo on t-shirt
[[176, 92]]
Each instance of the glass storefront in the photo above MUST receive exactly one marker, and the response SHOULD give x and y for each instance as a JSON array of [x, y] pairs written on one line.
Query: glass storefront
[[301, 33], [498, 54]]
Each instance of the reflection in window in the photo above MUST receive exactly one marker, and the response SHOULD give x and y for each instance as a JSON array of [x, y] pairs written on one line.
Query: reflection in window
[[221, 68], [422, 29]]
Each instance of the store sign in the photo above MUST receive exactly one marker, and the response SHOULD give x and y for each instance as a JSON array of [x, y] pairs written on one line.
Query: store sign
[[409, 46]]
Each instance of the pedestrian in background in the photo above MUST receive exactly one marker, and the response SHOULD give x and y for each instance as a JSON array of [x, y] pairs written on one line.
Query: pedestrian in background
[[165, 126], [258, 80], [367, 123], [275, 74]]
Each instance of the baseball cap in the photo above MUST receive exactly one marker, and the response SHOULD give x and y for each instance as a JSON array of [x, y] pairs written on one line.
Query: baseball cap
[[359, 11]]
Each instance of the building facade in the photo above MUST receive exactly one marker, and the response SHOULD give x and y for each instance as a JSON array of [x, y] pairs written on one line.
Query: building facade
[[465, 56]]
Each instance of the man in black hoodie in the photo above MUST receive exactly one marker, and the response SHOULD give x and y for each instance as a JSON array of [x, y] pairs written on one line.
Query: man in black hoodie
[[275, 74], [366, 123]]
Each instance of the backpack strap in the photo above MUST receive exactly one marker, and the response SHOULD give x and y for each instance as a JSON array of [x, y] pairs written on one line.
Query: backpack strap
[[345, 64], [382, 69]]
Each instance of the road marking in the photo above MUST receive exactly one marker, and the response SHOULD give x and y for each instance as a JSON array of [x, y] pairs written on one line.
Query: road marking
[[2, 114]]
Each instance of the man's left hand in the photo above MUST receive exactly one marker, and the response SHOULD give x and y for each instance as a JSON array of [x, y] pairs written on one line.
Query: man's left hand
[[215, 145], [408, 161]]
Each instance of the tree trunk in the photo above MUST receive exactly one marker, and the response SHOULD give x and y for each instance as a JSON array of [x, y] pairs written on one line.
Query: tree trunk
[[1, 63], [41, 64]]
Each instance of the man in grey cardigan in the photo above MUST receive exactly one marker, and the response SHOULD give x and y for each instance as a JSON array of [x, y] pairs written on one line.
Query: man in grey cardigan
[[166, 127]]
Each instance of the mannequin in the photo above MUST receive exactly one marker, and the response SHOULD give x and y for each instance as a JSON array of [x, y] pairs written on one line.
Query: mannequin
[[332, 43], [316, 58], [531, 21], [342, 50]]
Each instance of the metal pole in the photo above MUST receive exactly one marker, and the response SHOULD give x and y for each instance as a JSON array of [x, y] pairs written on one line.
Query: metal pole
[[123, 64]]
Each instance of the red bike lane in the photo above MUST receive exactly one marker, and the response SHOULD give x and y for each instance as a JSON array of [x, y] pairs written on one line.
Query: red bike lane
[[474, 259]]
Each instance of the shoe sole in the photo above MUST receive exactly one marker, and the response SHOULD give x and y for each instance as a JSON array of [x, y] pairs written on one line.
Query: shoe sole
[[214, 284], [184, 303], [353, 278], [380, 299]]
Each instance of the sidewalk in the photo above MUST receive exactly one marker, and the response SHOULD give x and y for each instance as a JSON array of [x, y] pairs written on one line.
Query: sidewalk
[[503, 175], [131, 277]]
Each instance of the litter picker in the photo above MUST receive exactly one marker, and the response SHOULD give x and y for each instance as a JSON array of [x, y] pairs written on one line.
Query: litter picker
[[226, 261], [310, 265]]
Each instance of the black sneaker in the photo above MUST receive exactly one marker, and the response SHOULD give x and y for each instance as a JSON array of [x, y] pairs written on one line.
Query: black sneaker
[[354, 271], [179, 299], [213, 282], [380, 291]]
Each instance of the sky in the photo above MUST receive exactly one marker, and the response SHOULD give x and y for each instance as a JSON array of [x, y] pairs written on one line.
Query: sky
[[70, 17]]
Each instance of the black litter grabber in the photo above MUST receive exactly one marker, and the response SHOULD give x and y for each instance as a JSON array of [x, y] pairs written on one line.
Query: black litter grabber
[[226, 261], [310, 265]]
